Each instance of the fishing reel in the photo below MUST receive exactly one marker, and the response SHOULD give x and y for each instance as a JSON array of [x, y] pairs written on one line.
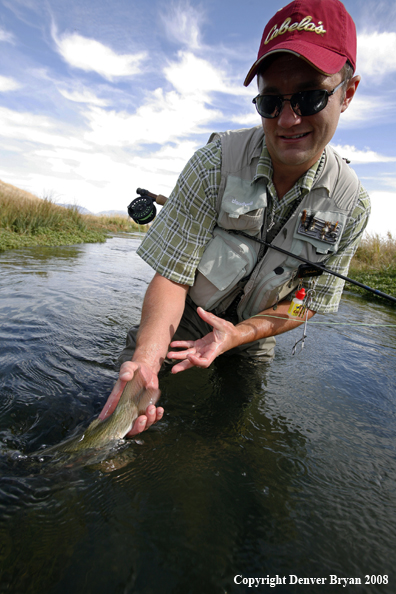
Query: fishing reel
[[142, 210]]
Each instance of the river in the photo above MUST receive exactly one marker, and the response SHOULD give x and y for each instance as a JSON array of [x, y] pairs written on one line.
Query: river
[[283, 471]]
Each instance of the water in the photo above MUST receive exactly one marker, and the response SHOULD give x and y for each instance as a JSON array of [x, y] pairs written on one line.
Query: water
[[256, 470]]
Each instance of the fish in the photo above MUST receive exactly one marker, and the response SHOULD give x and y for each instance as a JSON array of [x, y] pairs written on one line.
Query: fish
[[133, 402]]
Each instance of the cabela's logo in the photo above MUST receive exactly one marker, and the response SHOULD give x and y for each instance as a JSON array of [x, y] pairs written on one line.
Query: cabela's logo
[[306, 24]]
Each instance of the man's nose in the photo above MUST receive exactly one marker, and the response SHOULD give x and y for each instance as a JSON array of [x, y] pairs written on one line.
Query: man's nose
[[288, 117]]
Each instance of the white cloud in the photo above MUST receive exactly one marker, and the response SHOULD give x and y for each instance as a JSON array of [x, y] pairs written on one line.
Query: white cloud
[[383, 213], [366, 109], [193, 75], [91, 55], [82, 95], [183, 23], [376, 53], [25, 126], [8, 84], [166, 117], [357, 156], [6, 36]]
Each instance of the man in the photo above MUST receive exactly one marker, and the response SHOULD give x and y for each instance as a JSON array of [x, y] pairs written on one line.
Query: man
[[280, 182]]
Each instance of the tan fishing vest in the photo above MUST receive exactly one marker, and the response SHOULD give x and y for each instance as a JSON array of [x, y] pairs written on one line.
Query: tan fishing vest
[[232, 263]]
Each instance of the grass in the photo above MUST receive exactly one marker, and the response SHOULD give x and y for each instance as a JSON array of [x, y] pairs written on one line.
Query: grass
[[26, 221], [374, 264]]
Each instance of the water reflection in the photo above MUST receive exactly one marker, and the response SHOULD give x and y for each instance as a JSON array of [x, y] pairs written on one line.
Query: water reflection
[[256, 470]]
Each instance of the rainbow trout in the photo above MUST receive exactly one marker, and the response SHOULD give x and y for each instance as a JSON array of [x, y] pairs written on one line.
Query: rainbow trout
[[134, 400]]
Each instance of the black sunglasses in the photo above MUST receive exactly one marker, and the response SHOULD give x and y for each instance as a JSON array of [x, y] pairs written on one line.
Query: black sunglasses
[[305, 103]]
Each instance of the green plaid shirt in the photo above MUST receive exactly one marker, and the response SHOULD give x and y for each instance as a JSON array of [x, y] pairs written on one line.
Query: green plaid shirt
[[176, 240]]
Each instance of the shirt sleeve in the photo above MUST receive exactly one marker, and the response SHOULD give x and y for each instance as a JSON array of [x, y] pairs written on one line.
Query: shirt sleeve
[[328, 288], [176, 240]]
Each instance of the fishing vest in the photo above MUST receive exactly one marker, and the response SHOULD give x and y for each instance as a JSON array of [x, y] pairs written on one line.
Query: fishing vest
[[232, 263]]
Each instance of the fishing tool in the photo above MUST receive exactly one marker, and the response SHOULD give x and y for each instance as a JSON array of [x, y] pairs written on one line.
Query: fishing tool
[[142, 210], [301, 306], [309, 223]]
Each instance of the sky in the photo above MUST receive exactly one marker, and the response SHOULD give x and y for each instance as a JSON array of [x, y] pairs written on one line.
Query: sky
[[99, 97]]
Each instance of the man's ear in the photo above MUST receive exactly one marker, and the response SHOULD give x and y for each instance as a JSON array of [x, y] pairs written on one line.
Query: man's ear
[[350, 92]]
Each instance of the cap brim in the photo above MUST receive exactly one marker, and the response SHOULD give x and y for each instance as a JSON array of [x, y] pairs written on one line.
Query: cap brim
[[324, 60]]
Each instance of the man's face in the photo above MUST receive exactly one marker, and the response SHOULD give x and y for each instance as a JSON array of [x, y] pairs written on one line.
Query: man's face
[[295, 142]]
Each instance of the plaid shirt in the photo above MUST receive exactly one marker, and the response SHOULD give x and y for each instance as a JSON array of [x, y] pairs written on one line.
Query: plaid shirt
[[175, 242]]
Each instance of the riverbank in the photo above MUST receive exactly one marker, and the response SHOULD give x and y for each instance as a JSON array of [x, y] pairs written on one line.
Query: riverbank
[[27, 221]]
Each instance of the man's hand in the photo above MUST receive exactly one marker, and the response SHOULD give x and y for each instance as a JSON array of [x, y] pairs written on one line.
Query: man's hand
[[152, 415], [226, 336], [202, 352]]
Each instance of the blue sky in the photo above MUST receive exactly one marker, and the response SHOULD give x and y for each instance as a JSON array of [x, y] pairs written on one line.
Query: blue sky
[[98, 98]]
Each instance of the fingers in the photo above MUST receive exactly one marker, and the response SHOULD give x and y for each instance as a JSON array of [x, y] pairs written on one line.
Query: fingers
[[184, 344], [143, 422], [182, 366], [192, 361], [181, 354]]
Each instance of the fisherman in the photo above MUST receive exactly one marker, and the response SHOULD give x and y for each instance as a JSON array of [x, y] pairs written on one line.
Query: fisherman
[[215, 290]]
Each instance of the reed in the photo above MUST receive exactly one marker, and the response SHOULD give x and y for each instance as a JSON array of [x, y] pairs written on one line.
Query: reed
[[26, 220], [374, 264]]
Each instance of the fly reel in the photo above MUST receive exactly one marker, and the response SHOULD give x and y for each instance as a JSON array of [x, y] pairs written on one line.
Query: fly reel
[[142, 210]]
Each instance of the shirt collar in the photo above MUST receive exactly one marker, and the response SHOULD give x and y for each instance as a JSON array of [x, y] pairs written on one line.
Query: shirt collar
[[304, 184]]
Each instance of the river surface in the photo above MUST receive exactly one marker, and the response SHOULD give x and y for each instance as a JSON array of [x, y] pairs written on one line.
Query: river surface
[[280, 471]]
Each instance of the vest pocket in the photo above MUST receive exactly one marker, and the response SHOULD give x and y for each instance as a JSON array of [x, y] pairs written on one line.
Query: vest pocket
[[226, 260], [242, 205]]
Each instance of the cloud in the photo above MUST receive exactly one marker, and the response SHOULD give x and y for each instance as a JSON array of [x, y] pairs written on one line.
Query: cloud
[[166, 117], [8, 84], [182, 23], [383, 213], [28, 127], [376, 53], [6, 36], [357, 156], [92, 56], [82, 95], [194, 75], [366, 109]]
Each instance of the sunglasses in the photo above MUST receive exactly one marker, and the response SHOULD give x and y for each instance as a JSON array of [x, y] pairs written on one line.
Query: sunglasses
[[304, 103]]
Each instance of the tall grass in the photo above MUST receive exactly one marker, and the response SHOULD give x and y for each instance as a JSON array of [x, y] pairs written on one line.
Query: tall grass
[[374, 264], [25, 221]]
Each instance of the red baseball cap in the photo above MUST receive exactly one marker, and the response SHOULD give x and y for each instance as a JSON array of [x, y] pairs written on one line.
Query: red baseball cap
[[320, 31]]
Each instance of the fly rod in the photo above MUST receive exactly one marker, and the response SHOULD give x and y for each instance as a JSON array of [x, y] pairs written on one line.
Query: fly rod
[[143, 211], [319, 267]]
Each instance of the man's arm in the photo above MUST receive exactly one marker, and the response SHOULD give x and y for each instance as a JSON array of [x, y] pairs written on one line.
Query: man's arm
[[225, 336], [162, 310]]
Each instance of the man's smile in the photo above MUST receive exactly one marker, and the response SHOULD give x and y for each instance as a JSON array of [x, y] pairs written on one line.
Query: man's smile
[[293, 136]]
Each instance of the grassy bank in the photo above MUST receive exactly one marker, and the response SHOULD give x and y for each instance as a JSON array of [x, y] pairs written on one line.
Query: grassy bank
[[26, 220], [374, 265]]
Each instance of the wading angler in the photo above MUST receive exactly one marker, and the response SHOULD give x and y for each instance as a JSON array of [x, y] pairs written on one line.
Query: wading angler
[[218, 291]]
